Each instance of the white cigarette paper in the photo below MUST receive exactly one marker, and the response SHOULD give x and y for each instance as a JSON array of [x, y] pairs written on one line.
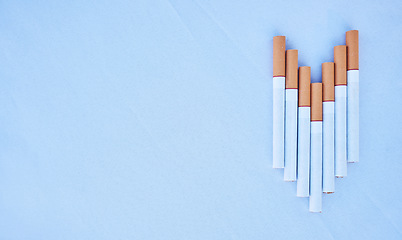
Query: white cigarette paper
[[303, 159], [316, 167], [291, 106], [352, 43], [353, 116], [278, 122], [340, 131], [340, 62], [291, 134], [303, 132], [279, 68], [328, 148]]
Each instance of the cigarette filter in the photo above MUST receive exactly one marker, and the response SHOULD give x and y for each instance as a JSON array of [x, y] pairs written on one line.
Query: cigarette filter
[[352, 43], [316, 148], [328, 97], [279, 47], [303, 141], [340, 111], [291, 115]]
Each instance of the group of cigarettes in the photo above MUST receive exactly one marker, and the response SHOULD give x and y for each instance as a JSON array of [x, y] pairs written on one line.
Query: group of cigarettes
[[315, 125]]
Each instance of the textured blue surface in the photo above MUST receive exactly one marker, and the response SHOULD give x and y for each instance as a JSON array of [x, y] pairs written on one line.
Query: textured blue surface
[[153, 120]]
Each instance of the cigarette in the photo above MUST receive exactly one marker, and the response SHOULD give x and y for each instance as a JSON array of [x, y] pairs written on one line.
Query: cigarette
[[316, 148], [279, 101], [328, 97], [291, 94], [303, 141], [340, 111], [352, 43]]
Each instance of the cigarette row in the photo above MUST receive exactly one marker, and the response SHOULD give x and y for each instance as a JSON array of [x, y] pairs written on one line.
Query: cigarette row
[[315, 125]]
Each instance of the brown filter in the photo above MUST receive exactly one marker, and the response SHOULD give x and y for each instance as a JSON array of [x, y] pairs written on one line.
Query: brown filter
[[279, 56], [352, 42], [316, 102], [328, 86], [291, 69], [340, 65], [304, 86]]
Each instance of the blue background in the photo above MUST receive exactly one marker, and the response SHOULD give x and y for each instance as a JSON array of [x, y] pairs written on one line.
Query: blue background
[[153, 120]]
